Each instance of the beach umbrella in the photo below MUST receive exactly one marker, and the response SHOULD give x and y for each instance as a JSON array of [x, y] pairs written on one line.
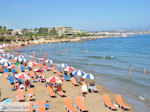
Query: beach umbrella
[[68, 68], [38, 70], [22, 60], [5, 63], [1, 51], [54, 79], [31, 64], [21, 56], [62, 65], [88, 76], [12, 66], [22, 76], [49, 61], [78, 73]]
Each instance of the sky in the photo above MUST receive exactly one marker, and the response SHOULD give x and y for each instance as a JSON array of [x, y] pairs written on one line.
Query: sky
[[90, 15]]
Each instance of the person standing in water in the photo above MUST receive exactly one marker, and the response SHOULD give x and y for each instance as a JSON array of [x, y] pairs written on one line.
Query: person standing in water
[[144, 72], [130, 73]]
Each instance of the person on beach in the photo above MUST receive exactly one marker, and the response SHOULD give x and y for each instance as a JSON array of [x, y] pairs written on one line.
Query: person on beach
[[1, 69], [130, 73], [144, 72]]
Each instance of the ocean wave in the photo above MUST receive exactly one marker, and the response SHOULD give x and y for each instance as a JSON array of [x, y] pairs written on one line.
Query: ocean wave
[[102, 57]]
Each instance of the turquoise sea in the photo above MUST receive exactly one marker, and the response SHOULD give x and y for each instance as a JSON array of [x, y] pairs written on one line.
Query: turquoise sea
[[108, 59]]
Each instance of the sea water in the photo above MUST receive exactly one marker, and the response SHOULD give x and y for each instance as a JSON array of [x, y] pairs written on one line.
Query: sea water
[[109, 60]]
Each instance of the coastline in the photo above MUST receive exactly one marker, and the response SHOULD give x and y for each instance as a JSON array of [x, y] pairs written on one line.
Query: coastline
[[102, 89]]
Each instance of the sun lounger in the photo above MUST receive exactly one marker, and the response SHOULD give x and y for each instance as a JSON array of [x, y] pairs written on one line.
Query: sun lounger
[[84, 89], [20, 96], [54, 70], [11, 79], [119, 102], [59, 73], [30, 94], [40, 65], [32, 74], [45, 67], [107, 102], [13, 71], [39, 74], [68, 104], [74, 82], [60, 91], [31, 107], [22, 69], [66, 77], [50, 91], [80, 104], [41, 106]]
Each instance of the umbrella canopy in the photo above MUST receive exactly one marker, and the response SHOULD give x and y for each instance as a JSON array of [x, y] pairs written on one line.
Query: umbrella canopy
[[49, 61], [78, 73], [38, 70], [12, 66], [1, 51], [31, 64], [68, 68], [22, 76], [88, 76], [62, 65], [21, 56], [5, 63], [23, 60], [54, 79]]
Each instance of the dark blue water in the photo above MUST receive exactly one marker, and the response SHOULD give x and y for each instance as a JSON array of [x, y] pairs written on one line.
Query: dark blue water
[[108, 59]]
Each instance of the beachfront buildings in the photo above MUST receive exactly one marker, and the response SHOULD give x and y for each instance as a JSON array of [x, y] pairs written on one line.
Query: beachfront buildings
[[61, 30], [78, 31]]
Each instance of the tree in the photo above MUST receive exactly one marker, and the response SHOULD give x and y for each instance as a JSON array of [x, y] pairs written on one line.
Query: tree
[[0, 28], [5, 29], [53, 32]]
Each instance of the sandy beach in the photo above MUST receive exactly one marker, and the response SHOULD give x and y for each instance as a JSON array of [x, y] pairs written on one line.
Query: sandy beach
[[93, 101]]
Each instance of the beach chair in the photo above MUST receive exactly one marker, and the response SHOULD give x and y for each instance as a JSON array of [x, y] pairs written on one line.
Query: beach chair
[[60, 91], [68, 104], [11, 80], [38, 74], [66, 77], [120, 103], [31, 107], [45, 67], [30, 94], [22, 69], [80, 104], [59, 73], [74, 82], [41, 106], [40, 65], [54, 70], [31, 72], [20, 96], [50, 91], [84, 89], [13, 71], [107, 102]]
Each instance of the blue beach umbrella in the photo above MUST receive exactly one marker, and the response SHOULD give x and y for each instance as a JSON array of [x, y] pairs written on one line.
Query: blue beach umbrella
[[23, 60], [88, 76], [5, 63], [62, 65], [78, 73]]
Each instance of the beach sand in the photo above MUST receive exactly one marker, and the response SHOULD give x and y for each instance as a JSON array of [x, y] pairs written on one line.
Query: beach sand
[[93, 101]]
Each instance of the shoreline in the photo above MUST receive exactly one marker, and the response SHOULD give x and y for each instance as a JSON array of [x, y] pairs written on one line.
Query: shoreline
[[102, 89]]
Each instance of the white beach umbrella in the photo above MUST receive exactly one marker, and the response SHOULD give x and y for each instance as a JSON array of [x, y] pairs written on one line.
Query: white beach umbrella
[[88, 76], [78, 73], [49, 61], [5, 63], [62, 65], [23, 76], [1, 51]]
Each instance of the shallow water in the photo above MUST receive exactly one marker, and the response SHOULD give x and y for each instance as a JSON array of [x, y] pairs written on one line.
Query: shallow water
[[108, 59]]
